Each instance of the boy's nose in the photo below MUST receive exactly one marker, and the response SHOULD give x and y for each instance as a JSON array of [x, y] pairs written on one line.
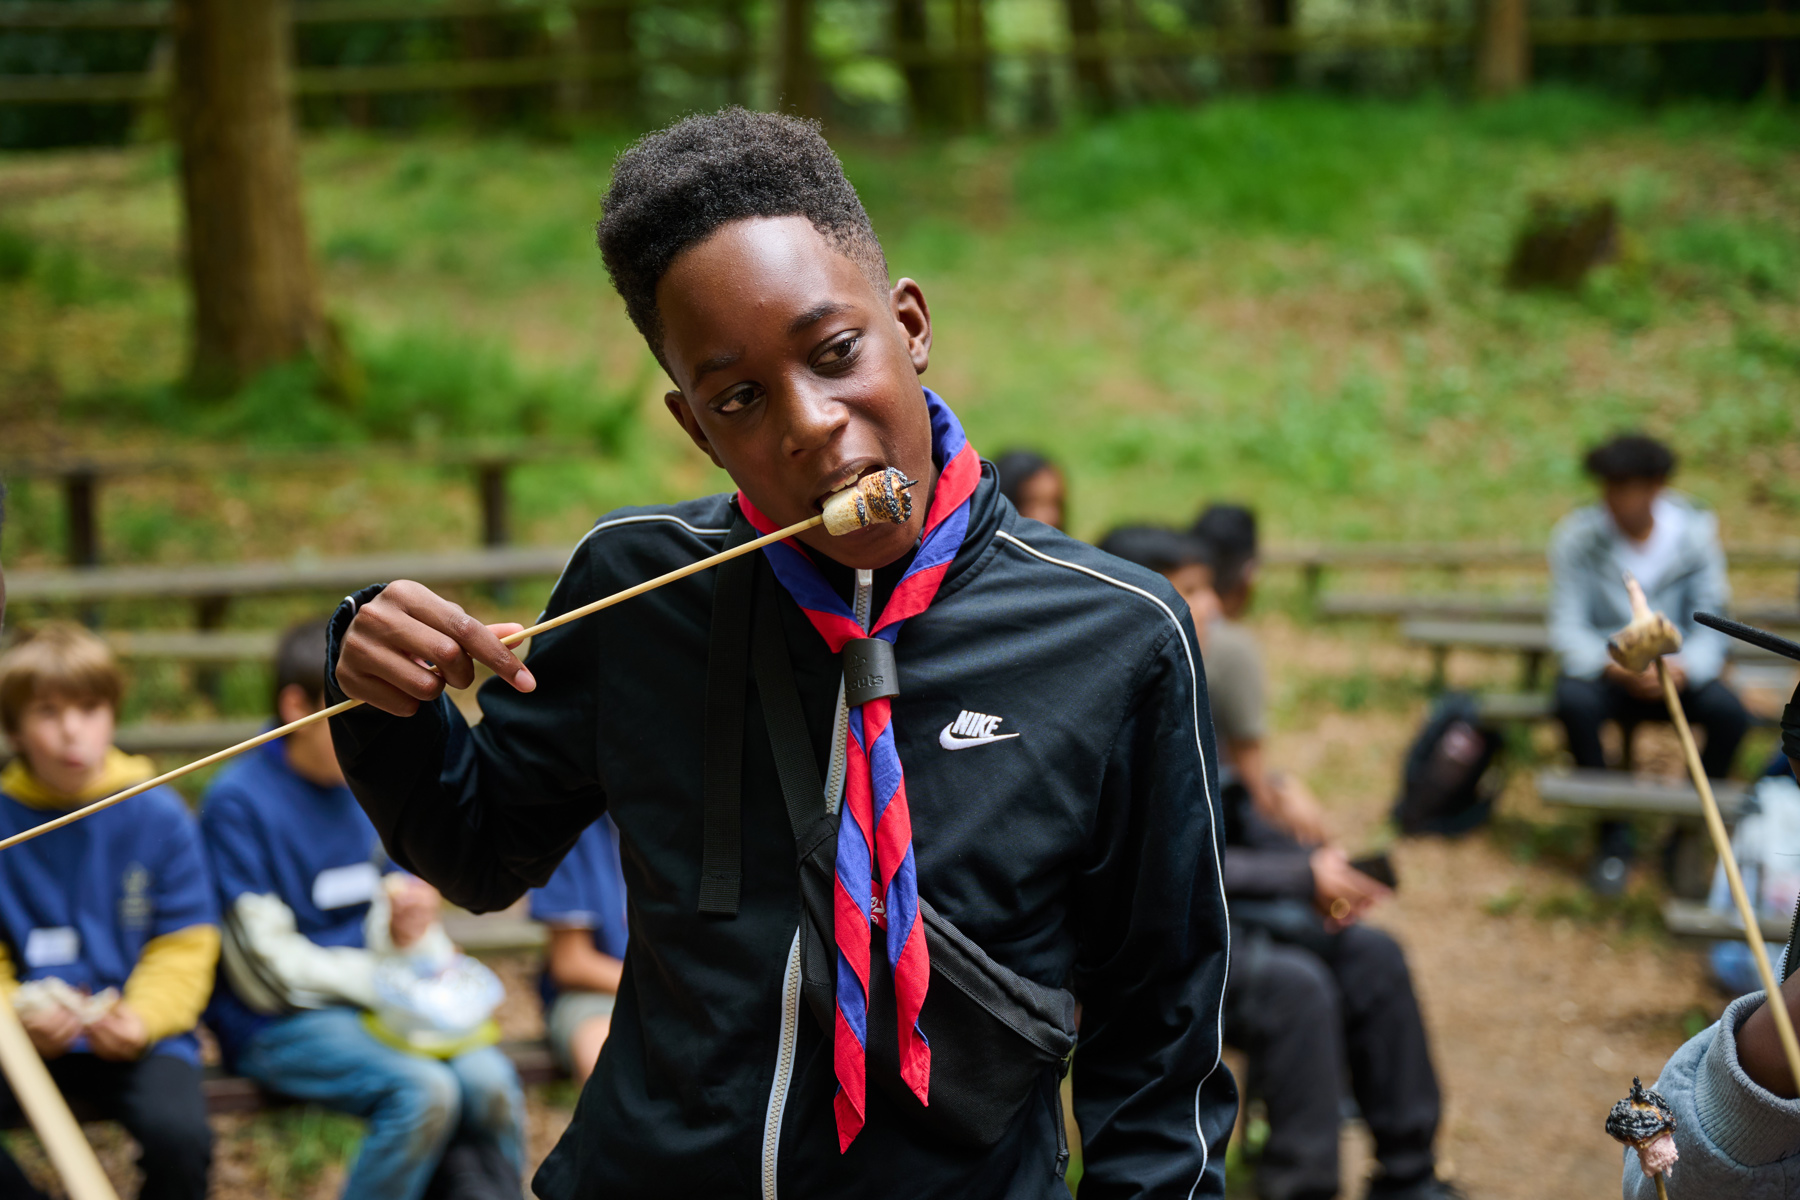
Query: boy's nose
[[814, 418]]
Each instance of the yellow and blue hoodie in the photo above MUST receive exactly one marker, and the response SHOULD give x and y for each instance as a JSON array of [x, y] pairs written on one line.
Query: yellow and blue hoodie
[[120, 899]]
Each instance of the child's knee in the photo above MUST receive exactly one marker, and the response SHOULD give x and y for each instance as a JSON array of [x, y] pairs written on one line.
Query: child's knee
[[426, 1094], [176, 1137], [492, 1100]]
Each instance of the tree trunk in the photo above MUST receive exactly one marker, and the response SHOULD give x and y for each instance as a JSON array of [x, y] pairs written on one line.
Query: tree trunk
[[605, 33], [256, 299], [1093, 81], [971, 91], [1272, 70], [912, 39], [1503, 59], [799, 83]]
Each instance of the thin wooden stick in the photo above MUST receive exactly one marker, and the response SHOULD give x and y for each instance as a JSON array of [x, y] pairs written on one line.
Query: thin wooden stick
[[1715, 825], [49, 1113], [511, 639], [1662, 1189]]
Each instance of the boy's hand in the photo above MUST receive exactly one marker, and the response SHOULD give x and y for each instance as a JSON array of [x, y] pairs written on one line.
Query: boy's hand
[[119, 1035], [414, 905], [51, 1029], [386, 649], [1340, 891]]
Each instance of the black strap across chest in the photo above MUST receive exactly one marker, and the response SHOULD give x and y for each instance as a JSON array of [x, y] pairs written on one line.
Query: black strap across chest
[[746, 634]]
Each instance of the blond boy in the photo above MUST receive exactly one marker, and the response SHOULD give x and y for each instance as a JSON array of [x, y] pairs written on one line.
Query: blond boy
[[108, 933]]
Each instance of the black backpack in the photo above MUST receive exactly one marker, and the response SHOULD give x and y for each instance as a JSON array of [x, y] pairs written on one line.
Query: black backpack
[[1444, 787]]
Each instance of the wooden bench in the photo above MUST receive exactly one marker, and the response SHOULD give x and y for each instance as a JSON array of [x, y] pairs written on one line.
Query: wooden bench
[[1529, 640], [1399, 606], [199, 737], [80, 475], [1620, 795], [1691, 918], [233, 1094], [1452, 558]]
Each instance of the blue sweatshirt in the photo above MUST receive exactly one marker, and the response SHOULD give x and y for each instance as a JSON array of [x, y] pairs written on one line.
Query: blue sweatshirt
[[586, 892], [268, 832], [81, 903]]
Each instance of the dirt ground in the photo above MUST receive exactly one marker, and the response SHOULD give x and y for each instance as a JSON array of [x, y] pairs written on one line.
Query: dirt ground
[[1541, 1007]]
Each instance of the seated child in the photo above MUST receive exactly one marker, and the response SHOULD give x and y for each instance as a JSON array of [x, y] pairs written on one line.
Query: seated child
[[584, 906], [1311, 990], [108, 935], [1035, 486], [1236, 682], [321, 935]]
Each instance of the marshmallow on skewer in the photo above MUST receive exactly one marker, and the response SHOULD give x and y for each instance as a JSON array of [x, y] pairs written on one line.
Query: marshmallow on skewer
[[880, 498], [1645, 1122]]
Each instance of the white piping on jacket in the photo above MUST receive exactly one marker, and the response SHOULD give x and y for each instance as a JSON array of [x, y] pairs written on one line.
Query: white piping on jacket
[[1206, 784]]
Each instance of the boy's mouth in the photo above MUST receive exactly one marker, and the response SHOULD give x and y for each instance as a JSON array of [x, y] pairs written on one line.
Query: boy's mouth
[[846, 477]]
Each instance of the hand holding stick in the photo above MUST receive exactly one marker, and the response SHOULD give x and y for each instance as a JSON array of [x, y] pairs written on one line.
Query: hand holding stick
[[1647, 638], [875, 499]]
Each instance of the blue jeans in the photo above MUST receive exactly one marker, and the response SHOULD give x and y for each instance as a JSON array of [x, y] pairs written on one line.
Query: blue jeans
[[413, 1105]]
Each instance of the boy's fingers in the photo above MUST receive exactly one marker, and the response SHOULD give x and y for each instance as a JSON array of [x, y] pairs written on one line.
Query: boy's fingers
[[485, 646]]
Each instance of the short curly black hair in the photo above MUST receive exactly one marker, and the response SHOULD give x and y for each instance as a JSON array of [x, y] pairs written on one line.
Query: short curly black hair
[[1630, 456], [673, 188]]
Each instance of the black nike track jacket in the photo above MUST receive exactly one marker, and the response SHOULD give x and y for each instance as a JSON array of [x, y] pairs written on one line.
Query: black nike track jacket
[[1083, 852]]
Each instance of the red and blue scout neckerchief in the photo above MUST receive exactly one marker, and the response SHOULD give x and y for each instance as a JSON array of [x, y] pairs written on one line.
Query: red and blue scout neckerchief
[[877, 879]]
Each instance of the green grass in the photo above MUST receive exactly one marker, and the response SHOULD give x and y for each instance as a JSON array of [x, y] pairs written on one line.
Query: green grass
[[1292, 301]]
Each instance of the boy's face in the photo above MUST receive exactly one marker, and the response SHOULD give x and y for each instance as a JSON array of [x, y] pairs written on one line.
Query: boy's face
[[1632, 504], [1195, 583], [65, 741], [799, 376]]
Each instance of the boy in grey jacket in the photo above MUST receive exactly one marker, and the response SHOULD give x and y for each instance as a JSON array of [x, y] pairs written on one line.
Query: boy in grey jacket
[[1672, 546]]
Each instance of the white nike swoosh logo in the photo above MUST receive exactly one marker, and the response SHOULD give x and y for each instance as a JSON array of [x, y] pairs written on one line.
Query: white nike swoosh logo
[[951, 741]]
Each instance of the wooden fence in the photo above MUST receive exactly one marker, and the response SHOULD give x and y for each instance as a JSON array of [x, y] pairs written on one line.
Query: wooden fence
[[575, 58]]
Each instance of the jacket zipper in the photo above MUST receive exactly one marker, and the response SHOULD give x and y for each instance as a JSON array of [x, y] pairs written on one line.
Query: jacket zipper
[[790, 983]]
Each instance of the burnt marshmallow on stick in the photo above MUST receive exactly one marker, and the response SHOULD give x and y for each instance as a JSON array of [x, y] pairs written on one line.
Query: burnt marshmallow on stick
[[1644, 1121]]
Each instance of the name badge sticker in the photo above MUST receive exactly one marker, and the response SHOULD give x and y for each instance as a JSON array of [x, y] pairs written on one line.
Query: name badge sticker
[[340, 887], [54, 947]]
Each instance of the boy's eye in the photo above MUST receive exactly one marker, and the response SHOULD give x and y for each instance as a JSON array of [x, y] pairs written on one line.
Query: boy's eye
[[840, 351], [733, 401]]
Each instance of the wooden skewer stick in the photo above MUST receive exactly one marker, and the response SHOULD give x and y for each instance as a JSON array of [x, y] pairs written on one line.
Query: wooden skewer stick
[[48, 1113], [878, 498], [1646, 639]]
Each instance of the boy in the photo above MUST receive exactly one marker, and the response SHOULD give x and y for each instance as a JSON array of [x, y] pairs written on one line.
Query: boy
[[300, 880], [1238, 684], [584, 906], [1673, 548], [1311, 989], [116, 906], [1047, 754]]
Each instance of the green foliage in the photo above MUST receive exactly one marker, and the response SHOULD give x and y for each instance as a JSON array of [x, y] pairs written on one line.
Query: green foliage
[[17, 255], [294, 1145]]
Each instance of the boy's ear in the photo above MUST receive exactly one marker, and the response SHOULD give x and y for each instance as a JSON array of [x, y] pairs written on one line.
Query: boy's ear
[[913, 316], [684, 417]]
